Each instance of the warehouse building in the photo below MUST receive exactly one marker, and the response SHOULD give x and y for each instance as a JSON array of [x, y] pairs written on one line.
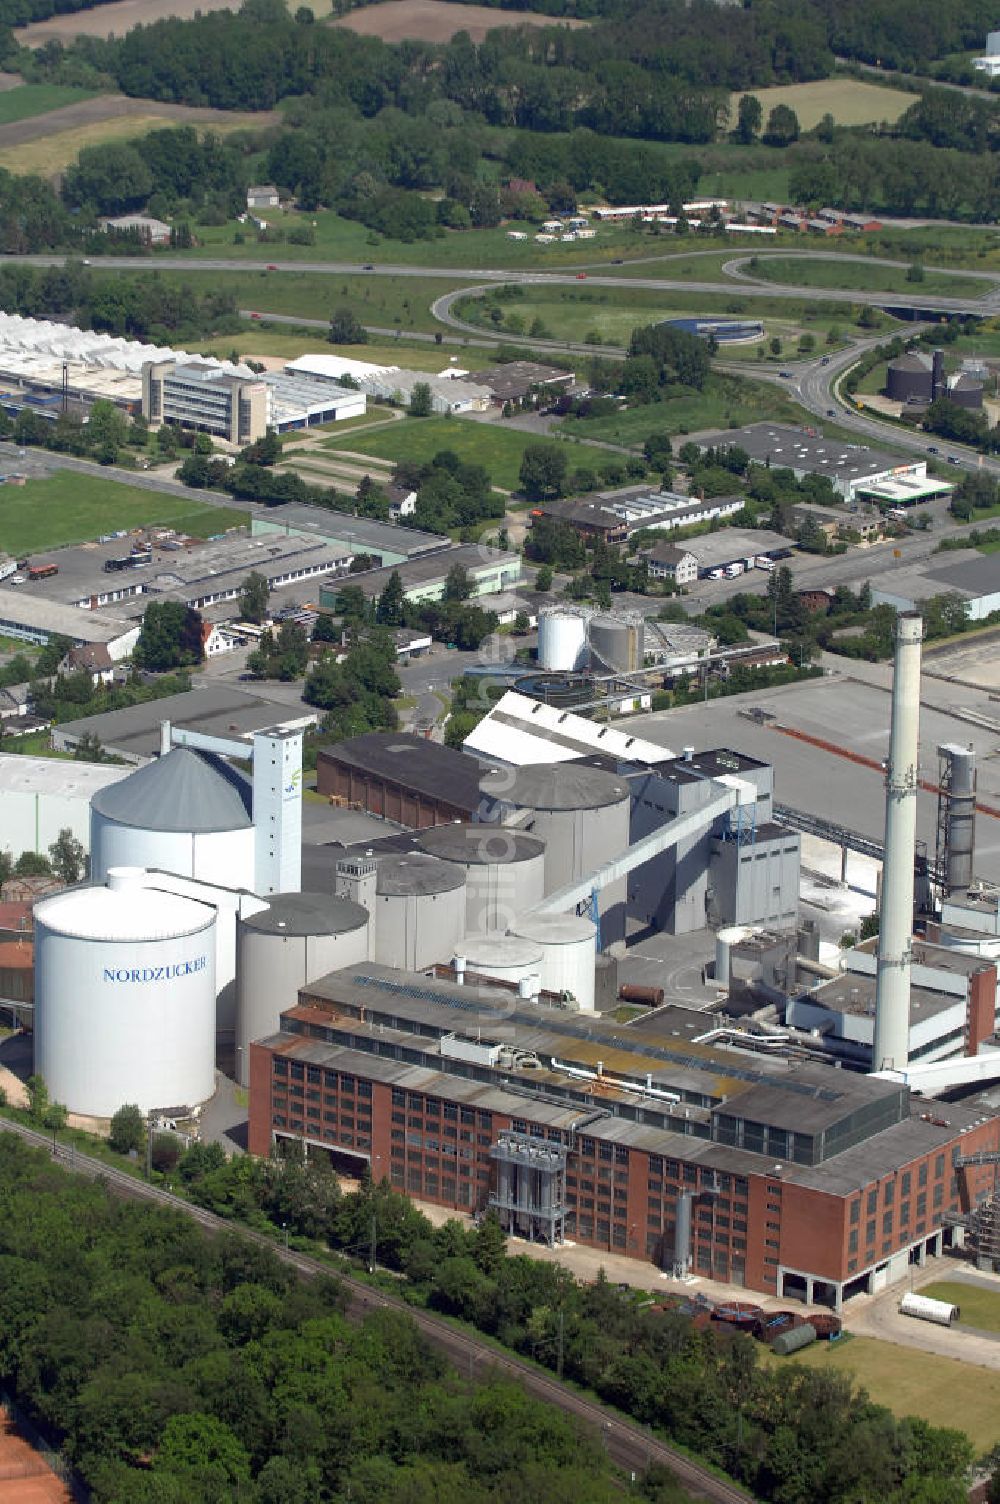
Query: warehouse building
[[614, 516], [381, 541], [729, 547], [234, 404], [409, 779], [645, 1142], [853, 470], [972, 576], [513, 380], [31, 619], [394, 383], [39, 797], [488, 570], [213, 709]]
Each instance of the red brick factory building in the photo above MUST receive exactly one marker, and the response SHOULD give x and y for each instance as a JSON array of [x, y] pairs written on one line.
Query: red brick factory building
[[400, 777], [655, 1140]]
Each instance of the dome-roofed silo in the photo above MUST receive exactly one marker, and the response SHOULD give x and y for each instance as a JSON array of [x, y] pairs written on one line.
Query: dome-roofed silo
[[188, 813]]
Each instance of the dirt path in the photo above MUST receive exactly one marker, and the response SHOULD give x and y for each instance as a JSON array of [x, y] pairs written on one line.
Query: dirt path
[[117, 107]]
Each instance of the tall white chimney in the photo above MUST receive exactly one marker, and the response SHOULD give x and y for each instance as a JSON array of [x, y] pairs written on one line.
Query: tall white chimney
[[892, 994]]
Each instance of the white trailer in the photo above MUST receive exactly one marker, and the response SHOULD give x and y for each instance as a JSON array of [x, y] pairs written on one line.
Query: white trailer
[[941, 1312]]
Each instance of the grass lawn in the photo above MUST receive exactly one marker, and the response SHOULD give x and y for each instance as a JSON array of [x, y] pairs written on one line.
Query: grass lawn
[[261, 342], [726, 400], [849, 101], [70, 508], [862, 276], [980, 1306], [402, 303], [498, 448], [28, 100], [573, 313], [942, 1391]]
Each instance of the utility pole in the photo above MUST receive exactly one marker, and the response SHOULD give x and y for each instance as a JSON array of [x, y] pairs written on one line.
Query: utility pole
[[559, 1348], [149, 1146], [372, 1248]]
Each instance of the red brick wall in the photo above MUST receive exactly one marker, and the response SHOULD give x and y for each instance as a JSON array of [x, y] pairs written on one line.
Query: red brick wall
[[259, 1125], [982, 1008]]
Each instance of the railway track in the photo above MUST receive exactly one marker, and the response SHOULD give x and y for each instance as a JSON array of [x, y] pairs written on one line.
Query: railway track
[[627, 1444]]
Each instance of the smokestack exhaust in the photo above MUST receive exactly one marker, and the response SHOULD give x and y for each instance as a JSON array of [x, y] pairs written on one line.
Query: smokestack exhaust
[[892, 992]]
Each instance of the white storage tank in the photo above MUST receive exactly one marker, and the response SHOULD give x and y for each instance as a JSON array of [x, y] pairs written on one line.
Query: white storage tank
[[925, 1308], [582, 815], [188, 813], [295, 939], [505, 958], [617, 642], [125, 997], [569, 953], [419, 914], [562, 638], [504, 870]]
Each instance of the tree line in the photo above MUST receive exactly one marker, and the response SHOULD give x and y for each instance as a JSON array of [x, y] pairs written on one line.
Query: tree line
[[170, 1367]]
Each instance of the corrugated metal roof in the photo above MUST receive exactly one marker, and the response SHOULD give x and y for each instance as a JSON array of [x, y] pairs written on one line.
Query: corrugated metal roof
[[184, 791]]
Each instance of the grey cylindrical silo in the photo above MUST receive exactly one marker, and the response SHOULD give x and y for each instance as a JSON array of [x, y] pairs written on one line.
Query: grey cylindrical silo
[[582, 815], [419, 911], [504, 870], [298, 938]]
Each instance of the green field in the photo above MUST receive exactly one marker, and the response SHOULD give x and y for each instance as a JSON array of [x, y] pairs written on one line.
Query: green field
[[70, 508], [499, 449], [28, 100], [848, 100], [980, 1306], [576, 312], [726, 400], [390, 302], [261, 342], [942, 1391], [862, 276]]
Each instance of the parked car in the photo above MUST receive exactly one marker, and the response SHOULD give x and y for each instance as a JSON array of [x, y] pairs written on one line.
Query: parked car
[[581, 276], [272, 266]]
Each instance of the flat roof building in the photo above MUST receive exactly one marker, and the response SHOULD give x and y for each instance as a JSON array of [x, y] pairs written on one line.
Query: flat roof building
[[790, 1179], [31, 619], [852, 469], [489, 571], [973, 576], [513, 380], [385, 541], [203, 396], [217, 710], [409, 779]]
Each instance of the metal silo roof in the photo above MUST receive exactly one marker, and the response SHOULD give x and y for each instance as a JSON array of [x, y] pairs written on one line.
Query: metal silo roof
[[183, 791], [554, 786]]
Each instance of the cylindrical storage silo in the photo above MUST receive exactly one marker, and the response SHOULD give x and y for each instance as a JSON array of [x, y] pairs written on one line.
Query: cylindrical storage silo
[[504, 958], [794, 1340], [296, 939], [959, 783], [125, 998], [562, 638], [419, 914], [187, 813], [504, 870], [725, 939], [582, 815], [617, 642], [569, 953]]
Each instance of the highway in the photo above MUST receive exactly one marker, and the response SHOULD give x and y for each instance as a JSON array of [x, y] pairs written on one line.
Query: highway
[[628, 1445], [598, 276]]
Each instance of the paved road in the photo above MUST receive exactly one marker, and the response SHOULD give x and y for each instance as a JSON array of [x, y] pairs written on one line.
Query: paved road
[[598, 277], [627, 1444]]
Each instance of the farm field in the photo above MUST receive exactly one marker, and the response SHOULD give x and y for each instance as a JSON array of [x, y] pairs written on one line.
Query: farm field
[[497, 448], [849, 101], [861, 276], [30, 100], [48, 143], [725, 400], [437, 21], [73, 508], [942, 1391], [114, 19], [980, 1306]]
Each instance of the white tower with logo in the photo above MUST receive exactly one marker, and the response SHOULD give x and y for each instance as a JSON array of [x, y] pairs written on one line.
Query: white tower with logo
[[277, 811]]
